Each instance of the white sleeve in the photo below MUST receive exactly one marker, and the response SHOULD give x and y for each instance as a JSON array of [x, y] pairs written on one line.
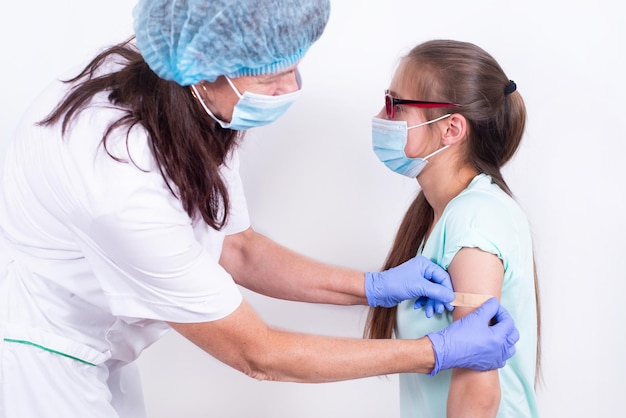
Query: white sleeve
[[150, 265], [142, 248]]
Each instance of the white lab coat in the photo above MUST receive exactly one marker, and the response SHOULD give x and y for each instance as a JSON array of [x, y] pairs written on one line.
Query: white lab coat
[[100, 254]]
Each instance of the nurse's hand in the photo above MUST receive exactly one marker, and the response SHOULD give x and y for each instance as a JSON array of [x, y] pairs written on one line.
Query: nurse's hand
[[471, 343], [419, 277]]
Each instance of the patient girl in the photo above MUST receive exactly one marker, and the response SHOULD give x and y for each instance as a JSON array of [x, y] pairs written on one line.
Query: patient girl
[[451, 105]]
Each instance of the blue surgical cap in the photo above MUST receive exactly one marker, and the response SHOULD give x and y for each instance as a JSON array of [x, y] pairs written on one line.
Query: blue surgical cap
[[188, 41]]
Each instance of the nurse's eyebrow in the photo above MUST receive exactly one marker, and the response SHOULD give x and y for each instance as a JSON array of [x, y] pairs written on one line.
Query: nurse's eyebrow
[[271, 78], [283, 72]]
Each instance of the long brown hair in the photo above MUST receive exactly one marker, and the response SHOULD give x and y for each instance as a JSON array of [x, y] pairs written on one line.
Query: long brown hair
[[188, 146], [457, 72]]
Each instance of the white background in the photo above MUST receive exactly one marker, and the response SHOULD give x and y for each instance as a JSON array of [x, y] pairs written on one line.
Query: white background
[[314, 185]]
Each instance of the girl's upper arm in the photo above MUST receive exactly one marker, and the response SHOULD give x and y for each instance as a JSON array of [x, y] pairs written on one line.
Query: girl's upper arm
[[472, 393], [473, 270]]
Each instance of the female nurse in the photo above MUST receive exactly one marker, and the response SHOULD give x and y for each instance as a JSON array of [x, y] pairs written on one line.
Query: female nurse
[[123, 215]]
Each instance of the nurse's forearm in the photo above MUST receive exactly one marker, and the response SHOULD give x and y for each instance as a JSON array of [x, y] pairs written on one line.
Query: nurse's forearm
[[317, 359], [243, 341], [262, 265]]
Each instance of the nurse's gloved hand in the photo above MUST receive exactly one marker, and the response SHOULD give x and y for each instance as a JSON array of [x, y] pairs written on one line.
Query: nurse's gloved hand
[[415, 278], [471, 343]]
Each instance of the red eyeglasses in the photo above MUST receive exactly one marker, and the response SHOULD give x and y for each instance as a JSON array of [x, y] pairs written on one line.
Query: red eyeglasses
[[391, 103]]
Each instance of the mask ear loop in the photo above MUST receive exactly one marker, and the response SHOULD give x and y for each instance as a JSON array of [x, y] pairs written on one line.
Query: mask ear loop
[[232, 85], [430, 121], [436, 152], [196, 94], [427, 123]]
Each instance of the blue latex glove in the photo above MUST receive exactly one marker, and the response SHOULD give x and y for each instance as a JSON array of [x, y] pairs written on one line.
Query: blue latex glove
[[431, 306], [414, 278], [470, 343]]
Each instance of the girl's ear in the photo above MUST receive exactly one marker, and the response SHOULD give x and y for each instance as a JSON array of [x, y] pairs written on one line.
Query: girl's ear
[[455, 129]]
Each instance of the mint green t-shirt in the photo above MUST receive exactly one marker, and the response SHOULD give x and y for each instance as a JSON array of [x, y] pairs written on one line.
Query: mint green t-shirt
[[481, 216]]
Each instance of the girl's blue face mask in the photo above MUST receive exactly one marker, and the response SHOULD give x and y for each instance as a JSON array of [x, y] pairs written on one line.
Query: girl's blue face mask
[[389, 139], [254, 109]]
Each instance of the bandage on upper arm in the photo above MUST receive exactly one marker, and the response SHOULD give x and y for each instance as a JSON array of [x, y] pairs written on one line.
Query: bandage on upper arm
[[470, 300]]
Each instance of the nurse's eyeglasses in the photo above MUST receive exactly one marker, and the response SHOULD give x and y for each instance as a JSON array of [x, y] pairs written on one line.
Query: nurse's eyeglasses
[[391, 103]]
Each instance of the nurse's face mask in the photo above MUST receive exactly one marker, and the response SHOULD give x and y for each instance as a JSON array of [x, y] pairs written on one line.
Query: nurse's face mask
[[253, 109]]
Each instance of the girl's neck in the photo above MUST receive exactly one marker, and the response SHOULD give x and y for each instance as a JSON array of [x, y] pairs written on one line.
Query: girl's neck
[[441, 187]]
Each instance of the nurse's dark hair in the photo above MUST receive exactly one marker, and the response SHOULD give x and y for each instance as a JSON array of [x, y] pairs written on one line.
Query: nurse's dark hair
[[457, 72], [188, 146]]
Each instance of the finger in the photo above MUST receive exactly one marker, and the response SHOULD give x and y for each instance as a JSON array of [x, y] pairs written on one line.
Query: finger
[[510, 352], [439, 307], [437, 292], [430, 308], [489, 309], [419, 302], [436, 274], [514, 336], [505, 325], [502, 314], [503, 317]]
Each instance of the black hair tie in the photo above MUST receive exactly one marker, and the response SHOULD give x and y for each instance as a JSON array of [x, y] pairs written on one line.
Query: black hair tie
[[510, 88]]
